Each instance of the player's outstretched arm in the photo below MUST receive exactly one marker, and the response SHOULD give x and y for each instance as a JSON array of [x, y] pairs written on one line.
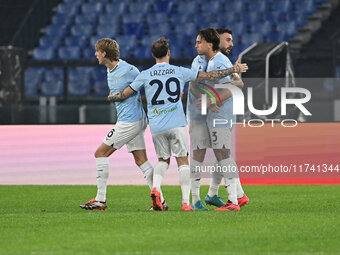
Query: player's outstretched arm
[[218, 74], [121, 95]]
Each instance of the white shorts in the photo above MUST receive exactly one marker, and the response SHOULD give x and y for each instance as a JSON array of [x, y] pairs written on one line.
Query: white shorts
[[220, 137], [129, 133], [174, 140], [199, 134]]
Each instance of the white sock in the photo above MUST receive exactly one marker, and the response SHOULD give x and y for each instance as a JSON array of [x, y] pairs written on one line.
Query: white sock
[[184, 181], [159, 172], [239, 190], [147, 171], [102, 177], [195, 180], [215, 181], [229, 180]]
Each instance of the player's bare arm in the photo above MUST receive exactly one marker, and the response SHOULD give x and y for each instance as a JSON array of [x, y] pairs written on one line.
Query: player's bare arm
[[194, 90], [121, 95], [218, 74]]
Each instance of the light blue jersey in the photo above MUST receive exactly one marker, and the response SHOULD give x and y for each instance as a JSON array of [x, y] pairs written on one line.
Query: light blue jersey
[[131, 109], [193, 113], [220, 62], [163, 84]]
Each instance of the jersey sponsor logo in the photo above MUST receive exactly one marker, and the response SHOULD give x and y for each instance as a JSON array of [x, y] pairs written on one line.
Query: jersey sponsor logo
[[162, 72], [156, 112]]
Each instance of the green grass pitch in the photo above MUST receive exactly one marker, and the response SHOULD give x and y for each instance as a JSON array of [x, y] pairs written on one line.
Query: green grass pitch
[[302, 219]]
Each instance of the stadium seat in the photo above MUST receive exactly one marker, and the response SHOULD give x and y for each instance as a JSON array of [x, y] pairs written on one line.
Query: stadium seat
[[108, 30], [79, 80], [275, 36], [70, 9], [127, 40], [250, 38], [100, 88], [141, 52], [213, 7], [61, 19], [189, 29], [155, 19], [281, 6], [88, 53], [108, 19], [163, 6], [235, 5], [93, 40], [191, 7], [259, 6], [86, 30], [307, 6], [69, 52], [33, 78], [148, 40], [75, 40], [136, 29], [48, 41], [44, 53], [56, 31], [99, 74], [116, 8], [139, 8], [86, 19], [52, 88], [90, 8], [160, 30], [133, 18]]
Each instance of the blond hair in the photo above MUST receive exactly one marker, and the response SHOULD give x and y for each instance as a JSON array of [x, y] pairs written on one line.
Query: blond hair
[[110, 46]]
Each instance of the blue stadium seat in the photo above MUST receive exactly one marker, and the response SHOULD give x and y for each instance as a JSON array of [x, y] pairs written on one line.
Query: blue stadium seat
[[75, 40], [109, 19], [250, 38], [48, 41], [52, 88], [136, 29], [275, 36], [238, 27], [148, 40], [289, 28], [259, 6], [88, 53], [190, 29], [108, 30], [175, 52], [205, 20], [215, 7], [100, 88], [141, 52], [227, 18], [33, 78], [86, 30], [139, 8], [178, 18], [281, 5], [235, 6], [44, 53], [160, 30], [70, 9], [191, 7], [93, 40], [86, 19], [262, 28], [116, 8], [251, 17], [307, 6], [79, 81], [125, 51], [133, 18], [99, 74], [154, 19], [69, 52], [61, 19], [164, 6], [88, 8], [56, 30], [127, 40]]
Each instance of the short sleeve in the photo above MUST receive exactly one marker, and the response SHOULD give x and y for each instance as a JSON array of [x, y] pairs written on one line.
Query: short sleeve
[[138, 83], [188, 74]]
